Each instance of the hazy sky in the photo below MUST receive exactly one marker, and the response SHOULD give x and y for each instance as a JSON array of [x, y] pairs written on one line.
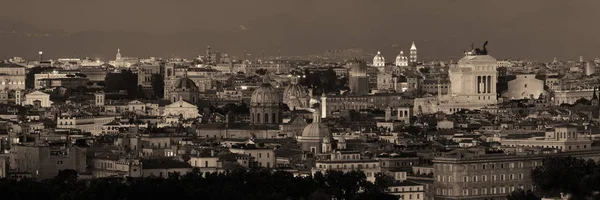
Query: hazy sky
[[515, 28]]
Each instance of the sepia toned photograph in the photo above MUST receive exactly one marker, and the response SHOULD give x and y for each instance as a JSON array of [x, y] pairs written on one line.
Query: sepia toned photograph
[[299, 100]]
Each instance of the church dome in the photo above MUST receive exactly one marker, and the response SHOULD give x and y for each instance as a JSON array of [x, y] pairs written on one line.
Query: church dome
[[378, 60], [401, 57], [266, 95], [358, 69], [294, 90], [186, 83], [316, 130]]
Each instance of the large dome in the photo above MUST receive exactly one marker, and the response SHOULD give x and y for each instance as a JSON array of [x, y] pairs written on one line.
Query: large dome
[[265, 95], [186, 83], [358, 69]]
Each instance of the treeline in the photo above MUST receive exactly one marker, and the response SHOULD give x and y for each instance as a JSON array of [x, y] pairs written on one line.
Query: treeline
[[239, 184], [577, 178]]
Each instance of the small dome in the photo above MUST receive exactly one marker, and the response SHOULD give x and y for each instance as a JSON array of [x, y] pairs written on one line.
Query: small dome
[[316, 130], [265, 95], [358, 69], [186, 83]]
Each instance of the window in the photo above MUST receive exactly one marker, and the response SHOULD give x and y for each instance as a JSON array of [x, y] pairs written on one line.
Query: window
[[484, 178], [520, 164], [465, 192], [512, 165], [502, 166], [502, 190], [493, 177], [475, 191], [502, 178], [466, 179], [483, 166], [525, 85], [474, 178], [511, 177], [520, 176], [484, 191], [493, 190]]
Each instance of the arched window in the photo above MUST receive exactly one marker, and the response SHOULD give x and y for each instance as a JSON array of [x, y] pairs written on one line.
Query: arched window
[[257, 117], [266, 118], [274, 118]]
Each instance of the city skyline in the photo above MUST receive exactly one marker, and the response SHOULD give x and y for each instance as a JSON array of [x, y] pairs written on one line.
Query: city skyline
[[440, 29]]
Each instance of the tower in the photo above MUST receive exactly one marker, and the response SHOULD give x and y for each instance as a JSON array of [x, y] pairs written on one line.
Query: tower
[[326, 145], [169, 79], [99, 98], [18, 97], [341, 144], [413, 53]]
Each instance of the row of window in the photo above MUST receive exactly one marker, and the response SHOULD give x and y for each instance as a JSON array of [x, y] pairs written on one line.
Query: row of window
[[358, 166], [486, 166], [480, 191], [482, 178]]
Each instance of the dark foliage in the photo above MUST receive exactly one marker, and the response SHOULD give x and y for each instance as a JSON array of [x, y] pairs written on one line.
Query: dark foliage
[[158, 85], [324, 81], [522, 195], [126, 80], [577, 177], [239, 184]]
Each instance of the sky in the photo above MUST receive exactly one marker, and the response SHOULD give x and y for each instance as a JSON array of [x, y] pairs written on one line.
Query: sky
[[539, 29]]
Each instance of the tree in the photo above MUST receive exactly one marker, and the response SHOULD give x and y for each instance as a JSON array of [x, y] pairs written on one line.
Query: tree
[[261, 72], [566, 175], [522, 195], [158, 85], [583, 101], [124, 80]]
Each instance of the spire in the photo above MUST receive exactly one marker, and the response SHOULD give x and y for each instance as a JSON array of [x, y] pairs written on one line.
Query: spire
[[401, 52], [378, 52], [413, 46], [294, 80]]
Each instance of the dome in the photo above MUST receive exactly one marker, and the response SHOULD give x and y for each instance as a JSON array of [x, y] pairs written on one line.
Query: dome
[[358, 69], [378, 60], [186, 83], [266, 94], [401, 56], [294, 90], [316, 130]]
